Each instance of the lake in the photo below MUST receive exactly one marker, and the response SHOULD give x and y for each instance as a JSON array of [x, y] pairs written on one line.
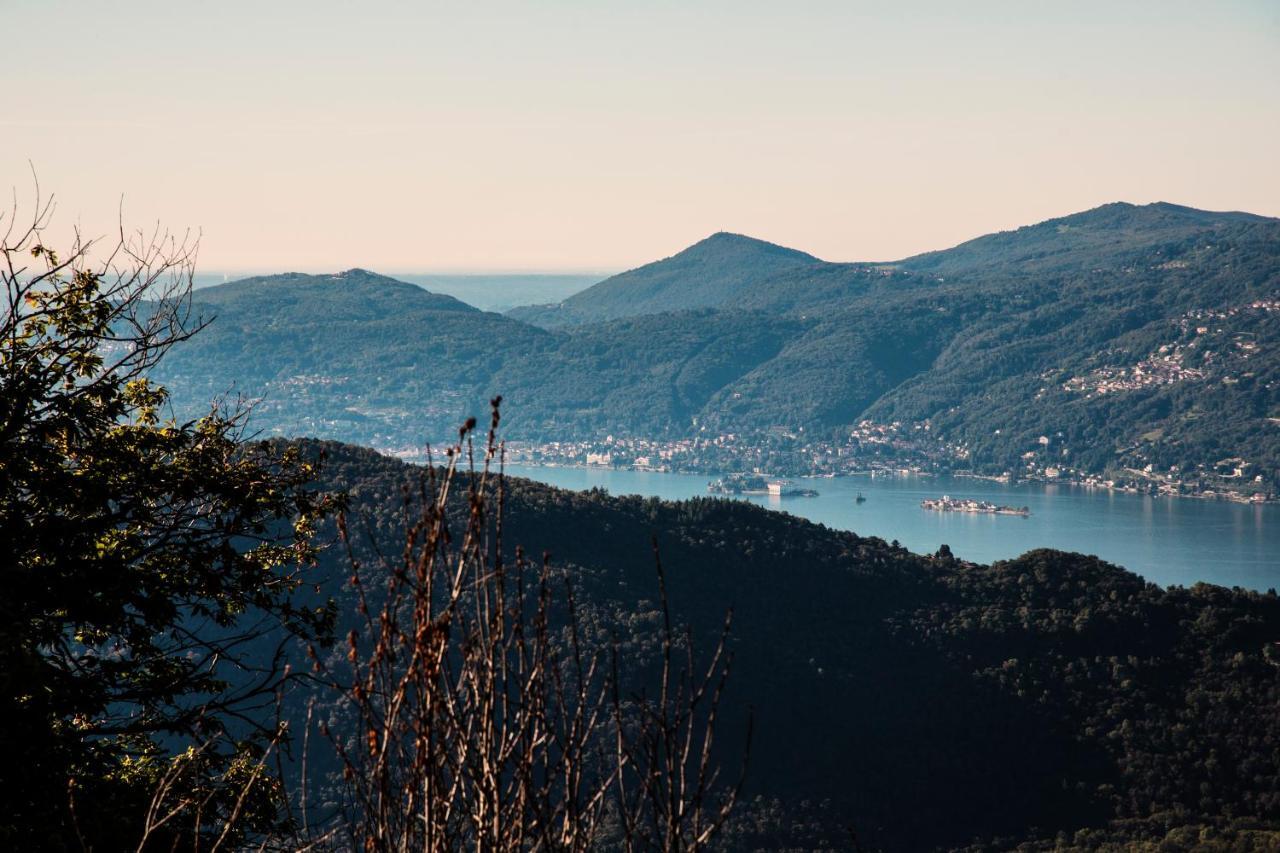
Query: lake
[[1166, 540]]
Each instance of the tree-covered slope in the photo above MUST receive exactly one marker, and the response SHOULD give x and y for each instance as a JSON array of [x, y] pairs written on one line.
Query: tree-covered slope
[[921, 701], [1166, 354], [304, 298], [1081, 241], [369, 359], [1114, 333], [354, 354], [712, 273], [650, 374]]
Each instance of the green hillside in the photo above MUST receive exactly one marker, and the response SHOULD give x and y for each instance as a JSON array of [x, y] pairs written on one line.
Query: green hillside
[[712, 273], [1163, 351], [355, 354], [1102, 235]]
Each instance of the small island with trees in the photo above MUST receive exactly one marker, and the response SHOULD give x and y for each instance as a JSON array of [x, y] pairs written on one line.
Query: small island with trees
[[946, 503], [758, 484]]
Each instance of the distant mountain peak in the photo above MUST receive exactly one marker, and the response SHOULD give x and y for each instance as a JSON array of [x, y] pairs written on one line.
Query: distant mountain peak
[[1095, 236], [351, 284], [715, 272], [1153, 213], [732, 241], [359, 275]]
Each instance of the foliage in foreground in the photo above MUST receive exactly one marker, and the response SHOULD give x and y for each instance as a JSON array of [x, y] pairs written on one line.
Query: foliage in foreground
[[148, 566]]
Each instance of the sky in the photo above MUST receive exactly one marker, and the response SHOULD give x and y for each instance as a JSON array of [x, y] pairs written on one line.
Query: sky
[[587, 136]]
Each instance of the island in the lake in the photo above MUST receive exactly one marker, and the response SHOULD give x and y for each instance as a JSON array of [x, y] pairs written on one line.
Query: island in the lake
[[757, 484], [947, 503]]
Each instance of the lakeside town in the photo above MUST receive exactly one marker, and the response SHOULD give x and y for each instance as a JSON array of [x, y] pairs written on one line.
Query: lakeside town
[[877, 449]]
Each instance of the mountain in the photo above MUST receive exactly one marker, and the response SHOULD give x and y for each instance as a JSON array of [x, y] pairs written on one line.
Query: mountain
[[316, 298], [731, 270], [918, 701], [354, 354], [650, 374], [1129, 336], [1102, 342], [1101, 235], [372, 360], [711, 273]]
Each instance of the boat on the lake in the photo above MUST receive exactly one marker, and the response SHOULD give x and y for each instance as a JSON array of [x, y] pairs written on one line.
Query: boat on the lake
[[946, 503], [860, 499]]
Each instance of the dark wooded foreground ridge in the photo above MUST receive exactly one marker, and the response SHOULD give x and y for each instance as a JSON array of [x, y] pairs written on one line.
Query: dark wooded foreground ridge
[[1051, 696], [149, 566]]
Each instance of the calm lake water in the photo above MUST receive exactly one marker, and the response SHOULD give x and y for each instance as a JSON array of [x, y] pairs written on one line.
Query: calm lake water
[[1168, 541]]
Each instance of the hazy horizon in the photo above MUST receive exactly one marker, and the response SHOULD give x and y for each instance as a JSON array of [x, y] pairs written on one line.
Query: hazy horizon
[[478, 272], [554, 272], [562, 138]]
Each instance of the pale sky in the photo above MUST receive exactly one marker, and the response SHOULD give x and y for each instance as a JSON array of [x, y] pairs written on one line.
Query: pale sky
[[323, 135]]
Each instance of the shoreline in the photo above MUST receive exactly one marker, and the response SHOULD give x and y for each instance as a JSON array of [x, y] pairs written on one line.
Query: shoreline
[[904, 472]]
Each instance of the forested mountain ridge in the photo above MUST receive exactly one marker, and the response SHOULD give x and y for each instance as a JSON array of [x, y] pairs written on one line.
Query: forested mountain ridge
[[1096, 342], [287, 294], [355, 354], [1167, 353], [392, 367], [1052, 698], [712, 273], [730, 270], [1100, 235]]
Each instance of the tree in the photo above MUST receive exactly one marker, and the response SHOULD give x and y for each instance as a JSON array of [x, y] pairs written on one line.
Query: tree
[[149, 568]]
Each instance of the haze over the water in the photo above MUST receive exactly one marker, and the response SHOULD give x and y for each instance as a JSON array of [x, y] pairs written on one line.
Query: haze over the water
[[322, 135]]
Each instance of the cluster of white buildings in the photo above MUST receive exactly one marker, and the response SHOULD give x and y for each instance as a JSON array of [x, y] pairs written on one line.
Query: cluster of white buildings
[[1164, 367]]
